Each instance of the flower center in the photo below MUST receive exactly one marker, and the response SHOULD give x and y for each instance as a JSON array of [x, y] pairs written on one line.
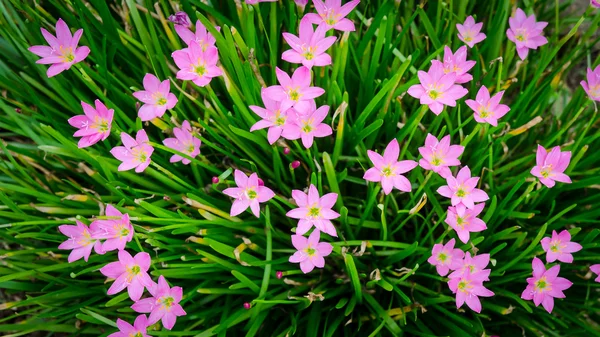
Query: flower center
[[461, 222], [251, 194], [330, 17], [436, 161], [137, 334], [461, 193], [166, 302], [100, 124], [200, 69], [314, 212], [442, 257], [132, 272], [294, 95], [521, 35], [310, 251], [465, 286], [307, 127], [279, 120], [190, 148], [542, 285], [85, 239], [467, 38], [484, 113], [434, 94], [140, 154], [387, 171], [67, 54], [595, 90], [309, 53], [124, 232]]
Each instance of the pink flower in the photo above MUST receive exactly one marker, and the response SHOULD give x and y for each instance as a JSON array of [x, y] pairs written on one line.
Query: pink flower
[[446, 257], [468, 287], [525, 32], [560, 247], [550, 166], [156, 97], [388, 170], [333, 14], [138, 329], [163, 305], [197, 65], [596, 269], [307, 124], [117, 232], [488, 110], [135, 153], [248, 193], [310, 252], [94, 125], [309, 47], [80, 241], [475, 266], [62, 51], [129, 272], [592, 86], [180, 18], [545, 285], [595, 3], [457, 63], [294, 90], [439, 155], [314, 211], [469, 32], [272, 117], [184, 142], [462, 189], [301, 3], [465, 221], [201, 36], [437, 88]]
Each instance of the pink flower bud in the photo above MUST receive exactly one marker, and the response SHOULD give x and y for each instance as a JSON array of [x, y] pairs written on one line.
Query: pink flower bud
[[286, 150], [180, 18], [295, 164], [215, 180], [261, 182], [247, 305], [279, 275]]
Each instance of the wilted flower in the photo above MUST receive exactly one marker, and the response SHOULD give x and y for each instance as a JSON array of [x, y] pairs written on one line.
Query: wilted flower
[[247, 194], [314, 211], [197, 65], [117, 232], [138, 329], [62, 51], [135, 153], [184, 142], [437, 88], [309, 47], [446, 257], [469, 32], [80, 241], [525, 32], [559, 247], [163, 305], [388, 170], [550, 166], [94, 125], [310, 252], [465, 221], [463, 190], [545, 285], [487, 110], [156, 97], [180, 18], [129, 272], [438, 156], [333, 14]]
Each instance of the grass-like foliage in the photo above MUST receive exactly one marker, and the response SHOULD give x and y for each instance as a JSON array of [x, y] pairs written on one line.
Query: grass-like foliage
[[234, 270]]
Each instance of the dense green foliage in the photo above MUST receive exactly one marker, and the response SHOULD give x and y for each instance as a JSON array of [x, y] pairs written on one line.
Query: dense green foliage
[[385, 287]]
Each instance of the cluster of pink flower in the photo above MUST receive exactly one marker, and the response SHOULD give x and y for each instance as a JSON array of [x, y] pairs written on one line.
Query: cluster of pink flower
[[129, 272], [290, 112]]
